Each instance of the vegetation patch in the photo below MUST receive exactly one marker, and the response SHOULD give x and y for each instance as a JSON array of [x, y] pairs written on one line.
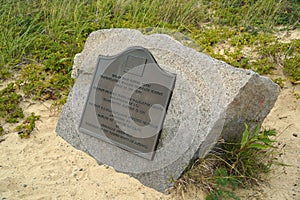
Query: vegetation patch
[[292, 62], [10, 110], [254, 15], [1, 131], [231, 166], [27, 126]]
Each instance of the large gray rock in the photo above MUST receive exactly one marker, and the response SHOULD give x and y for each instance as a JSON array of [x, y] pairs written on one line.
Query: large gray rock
[[211, 100]]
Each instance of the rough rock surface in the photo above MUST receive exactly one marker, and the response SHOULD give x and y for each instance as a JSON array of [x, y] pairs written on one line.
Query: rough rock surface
[[211, 99]]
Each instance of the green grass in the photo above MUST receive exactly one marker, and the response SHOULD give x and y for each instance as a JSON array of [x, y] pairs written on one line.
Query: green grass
[[259, 14], [24, 130], [1, 130], [233, 165], [50, 33], [10, 110]]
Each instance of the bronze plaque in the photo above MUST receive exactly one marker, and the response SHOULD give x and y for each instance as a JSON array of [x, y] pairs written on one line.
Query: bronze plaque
[[128, 101]]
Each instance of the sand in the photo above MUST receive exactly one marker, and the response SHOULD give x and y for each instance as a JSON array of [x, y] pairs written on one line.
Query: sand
[[46, 167]]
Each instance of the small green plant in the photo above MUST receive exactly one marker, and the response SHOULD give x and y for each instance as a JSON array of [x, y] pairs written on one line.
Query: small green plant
[[27, 126], [223, 183], [279, 81], [242, 163], [250, 157], [236, 164], [297, 95], [292, 68], [38, 83], [9, 104], [1, 131]]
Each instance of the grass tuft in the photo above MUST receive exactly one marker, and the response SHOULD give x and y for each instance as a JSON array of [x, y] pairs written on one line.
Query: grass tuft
[[232, 166], [10, 110], [28, 125]]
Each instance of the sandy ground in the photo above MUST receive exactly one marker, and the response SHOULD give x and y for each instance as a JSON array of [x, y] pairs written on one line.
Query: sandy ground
[[283, 182], [46, 167]]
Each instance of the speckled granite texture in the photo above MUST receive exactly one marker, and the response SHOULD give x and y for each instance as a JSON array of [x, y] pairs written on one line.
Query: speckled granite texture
[[211, 100]]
